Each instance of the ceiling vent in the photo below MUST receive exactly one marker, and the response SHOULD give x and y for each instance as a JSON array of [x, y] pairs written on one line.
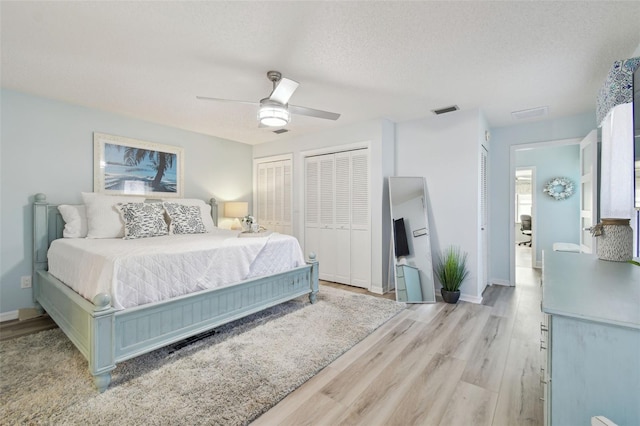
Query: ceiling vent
[[445, 109], [280, 131], [530, 113]]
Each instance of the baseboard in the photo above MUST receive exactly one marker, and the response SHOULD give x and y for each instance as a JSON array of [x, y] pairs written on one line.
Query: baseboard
[[498, 281], [376, 289], [9, 316], [470, 299], [28, 313]]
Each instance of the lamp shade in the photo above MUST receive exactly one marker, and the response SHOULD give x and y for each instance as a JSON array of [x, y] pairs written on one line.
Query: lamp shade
[[272, 114], [236, 209]]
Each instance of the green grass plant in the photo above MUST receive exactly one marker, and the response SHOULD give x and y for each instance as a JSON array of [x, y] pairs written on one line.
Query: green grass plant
[[451, 268]]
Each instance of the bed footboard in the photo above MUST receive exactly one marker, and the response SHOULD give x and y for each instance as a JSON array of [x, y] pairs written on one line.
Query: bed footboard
[[106, 336]]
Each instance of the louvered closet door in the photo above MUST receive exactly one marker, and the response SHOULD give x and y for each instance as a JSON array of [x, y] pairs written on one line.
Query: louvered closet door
[[342, 242], [270, 207], [286, 226], [360, 219], [277, 196], [337, 216], [312, 206], [327, 246], [274, 196], [261, 214]]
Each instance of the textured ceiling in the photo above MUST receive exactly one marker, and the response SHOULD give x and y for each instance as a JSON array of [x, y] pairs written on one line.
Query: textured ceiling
[[365, 60]]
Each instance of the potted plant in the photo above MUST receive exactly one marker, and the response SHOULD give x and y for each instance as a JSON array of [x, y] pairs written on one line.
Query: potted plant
[[451, 270]]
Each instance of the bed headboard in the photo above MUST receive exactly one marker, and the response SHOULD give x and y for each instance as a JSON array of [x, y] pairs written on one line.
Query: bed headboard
[[48, 226], [214, 210]]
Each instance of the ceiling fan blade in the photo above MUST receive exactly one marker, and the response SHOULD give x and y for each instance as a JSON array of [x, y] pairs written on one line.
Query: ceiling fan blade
[[204, 98], [283, 91], [313, 112]]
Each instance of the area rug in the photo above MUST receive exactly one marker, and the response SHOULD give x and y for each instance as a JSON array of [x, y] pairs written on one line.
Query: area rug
[[229, 378]]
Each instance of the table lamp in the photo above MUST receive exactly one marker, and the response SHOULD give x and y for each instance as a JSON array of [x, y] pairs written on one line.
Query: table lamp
[[236, 210]]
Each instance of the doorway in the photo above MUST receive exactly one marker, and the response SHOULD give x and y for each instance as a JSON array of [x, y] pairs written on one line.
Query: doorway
[[559, 220], [524, 217]]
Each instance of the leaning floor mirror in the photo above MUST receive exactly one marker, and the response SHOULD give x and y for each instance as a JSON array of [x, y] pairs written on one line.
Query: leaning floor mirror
[[412, 260]]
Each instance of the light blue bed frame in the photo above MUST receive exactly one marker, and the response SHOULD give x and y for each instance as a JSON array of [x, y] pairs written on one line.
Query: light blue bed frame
[[106, 336]]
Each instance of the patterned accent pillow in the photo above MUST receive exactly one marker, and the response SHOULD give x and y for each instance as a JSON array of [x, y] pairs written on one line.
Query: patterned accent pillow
[[184, 219], [142, 220]]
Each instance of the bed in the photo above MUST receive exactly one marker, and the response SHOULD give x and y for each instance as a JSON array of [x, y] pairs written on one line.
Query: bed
[[106, 332]]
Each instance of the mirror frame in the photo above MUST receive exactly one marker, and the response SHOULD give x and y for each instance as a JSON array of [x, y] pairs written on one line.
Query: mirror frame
[[416, 233]]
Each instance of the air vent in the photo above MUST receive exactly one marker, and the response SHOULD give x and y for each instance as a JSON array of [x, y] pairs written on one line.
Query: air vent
[[445, 109], [280, 131], [530, 113]]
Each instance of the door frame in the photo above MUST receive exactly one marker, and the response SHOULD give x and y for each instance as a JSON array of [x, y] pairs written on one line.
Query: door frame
[[513, 149], [592, 214]]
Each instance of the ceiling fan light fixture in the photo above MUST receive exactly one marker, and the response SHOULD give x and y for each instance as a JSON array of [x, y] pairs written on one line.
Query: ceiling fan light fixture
[[273, 115]]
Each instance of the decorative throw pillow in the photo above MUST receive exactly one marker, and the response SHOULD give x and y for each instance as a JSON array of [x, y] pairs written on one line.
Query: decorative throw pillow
[[205, 210], [103, 219], [75, 220], [184, 219], [142, 220]]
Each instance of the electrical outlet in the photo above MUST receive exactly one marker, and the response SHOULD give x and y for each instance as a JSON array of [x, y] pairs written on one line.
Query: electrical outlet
[[25, 282]]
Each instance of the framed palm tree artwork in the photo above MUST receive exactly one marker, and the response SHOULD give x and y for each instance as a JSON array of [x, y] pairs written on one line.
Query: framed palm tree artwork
[[133, 167]]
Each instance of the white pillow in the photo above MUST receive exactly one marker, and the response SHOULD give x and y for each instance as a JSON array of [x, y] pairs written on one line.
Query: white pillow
[[205, 209], [142, 220], [103, 219], [75, 220]]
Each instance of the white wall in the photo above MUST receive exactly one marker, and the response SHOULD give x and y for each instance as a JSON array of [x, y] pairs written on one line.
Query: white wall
[[445, 150], [502, 139], [47, 146], [378, 134]]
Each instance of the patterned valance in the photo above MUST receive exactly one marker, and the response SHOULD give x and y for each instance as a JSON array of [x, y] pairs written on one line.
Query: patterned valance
[[617, 88]]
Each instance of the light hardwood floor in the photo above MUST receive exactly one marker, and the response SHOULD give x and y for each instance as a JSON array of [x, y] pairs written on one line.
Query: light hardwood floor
[[17, 328], [435, 364]]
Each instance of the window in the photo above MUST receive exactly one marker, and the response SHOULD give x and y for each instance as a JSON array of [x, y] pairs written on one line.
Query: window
[[523, 205]]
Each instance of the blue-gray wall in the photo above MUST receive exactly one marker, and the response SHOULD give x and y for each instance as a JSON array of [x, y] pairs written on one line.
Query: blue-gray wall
[[502, 139], [556, 221], [47, 146]]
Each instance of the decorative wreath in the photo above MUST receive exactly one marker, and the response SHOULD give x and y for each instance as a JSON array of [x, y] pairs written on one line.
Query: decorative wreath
[[559, 188]]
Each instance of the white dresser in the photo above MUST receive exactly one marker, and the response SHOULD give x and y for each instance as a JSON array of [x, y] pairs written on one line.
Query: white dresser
[[590, 339]]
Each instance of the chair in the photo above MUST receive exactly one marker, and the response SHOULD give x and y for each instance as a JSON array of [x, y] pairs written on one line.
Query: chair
[[525, 228]]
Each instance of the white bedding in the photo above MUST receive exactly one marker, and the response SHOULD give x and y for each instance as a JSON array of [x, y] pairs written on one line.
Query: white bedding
[[146, 270]]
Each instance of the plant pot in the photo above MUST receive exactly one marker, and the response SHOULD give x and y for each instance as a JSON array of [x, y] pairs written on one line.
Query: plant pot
[[450, 296], [615, 240]]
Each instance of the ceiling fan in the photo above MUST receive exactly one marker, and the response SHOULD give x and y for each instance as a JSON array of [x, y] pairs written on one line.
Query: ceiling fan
[[275, 111]]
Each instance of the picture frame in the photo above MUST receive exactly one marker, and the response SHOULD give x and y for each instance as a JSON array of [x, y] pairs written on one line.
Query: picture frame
[[126, 166], [419, 232]]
